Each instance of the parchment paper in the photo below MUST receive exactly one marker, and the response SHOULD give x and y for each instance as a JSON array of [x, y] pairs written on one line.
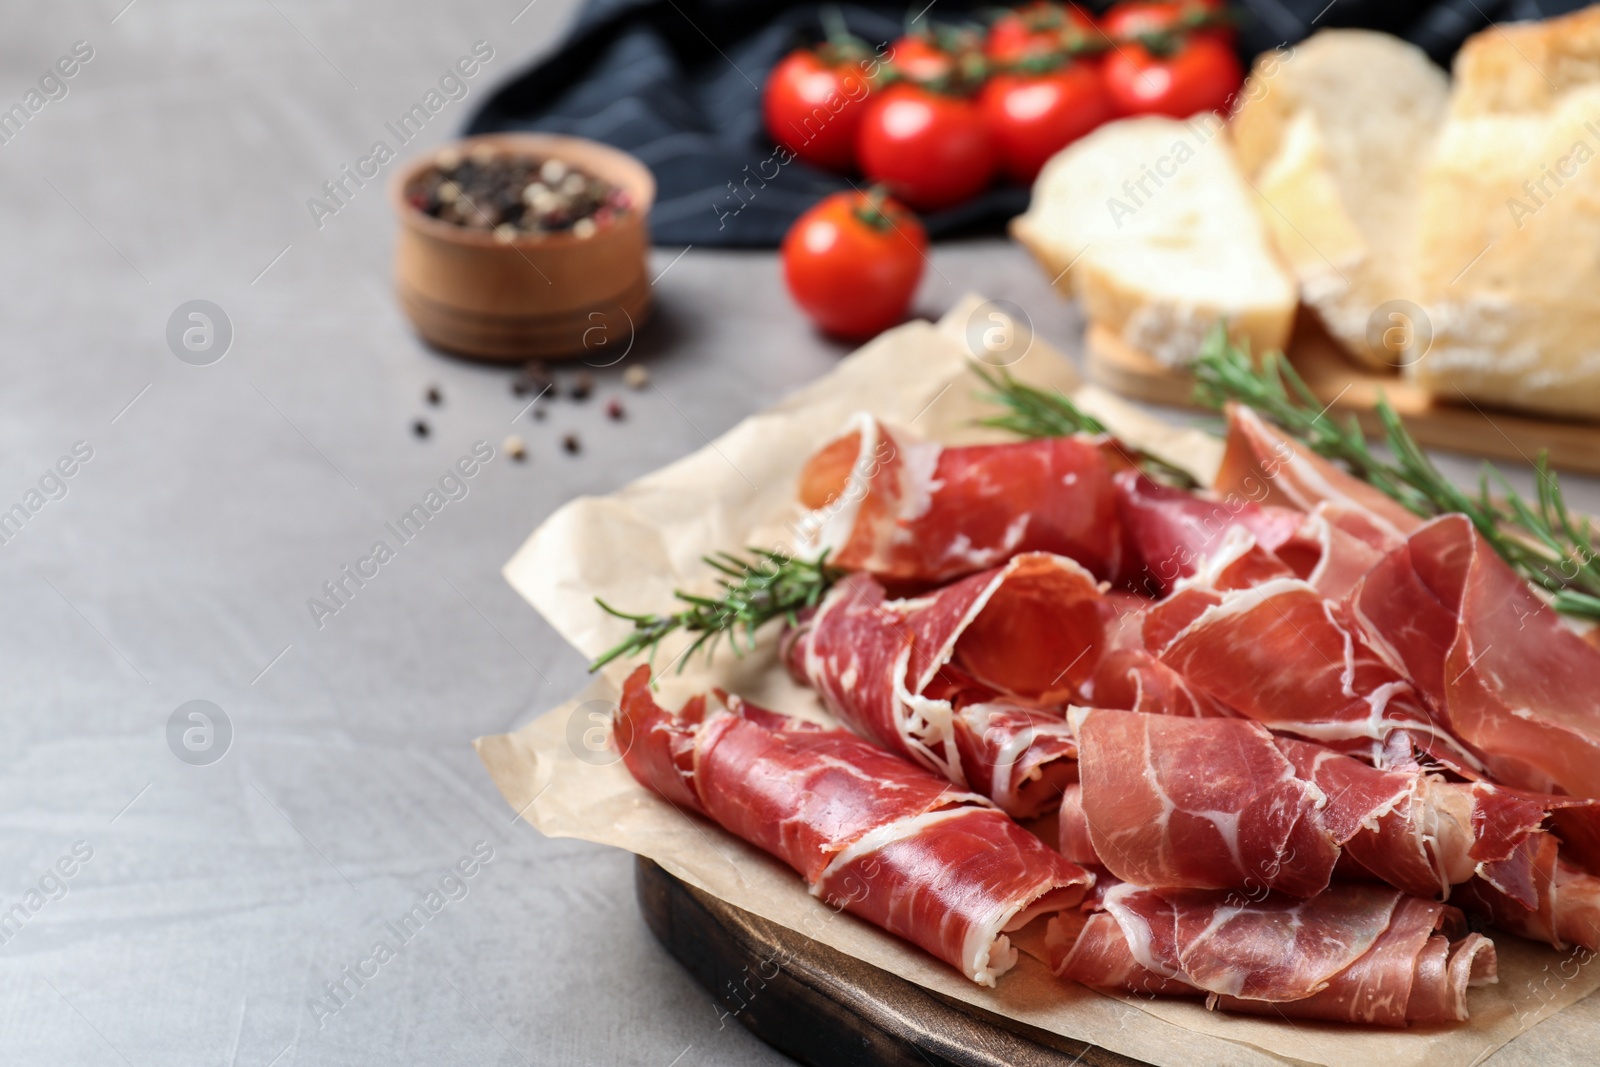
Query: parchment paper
[[637, 545]]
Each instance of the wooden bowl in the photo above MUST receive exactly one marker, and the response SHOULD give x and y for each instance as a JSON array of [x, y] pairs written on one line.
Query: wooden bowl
[[531, 297]]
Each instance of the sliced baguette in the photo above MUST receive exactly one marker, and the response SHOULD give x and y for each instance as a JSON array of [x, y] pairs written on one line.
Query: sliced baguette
[[1509, 236], [1149, 224], [1334, 134]]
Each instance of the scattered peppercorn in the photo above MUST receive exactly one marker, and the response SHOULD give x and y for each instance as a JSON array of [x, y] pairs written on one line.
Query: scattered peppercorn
[[636, 377], [434, 396], [614, 409], [581, 387], [420, 427], [538, 413], [514, 447], [534, 377], [571, 444]]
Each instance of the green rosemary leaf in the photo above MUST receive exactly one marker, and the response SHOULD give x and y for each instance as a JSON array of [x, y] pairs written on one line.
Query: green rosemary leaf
[[756, 589]]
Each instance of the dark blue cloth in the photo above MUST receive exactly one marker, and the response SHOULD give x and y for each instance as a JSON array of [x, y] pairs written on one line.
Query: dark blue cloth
[[677, 83]]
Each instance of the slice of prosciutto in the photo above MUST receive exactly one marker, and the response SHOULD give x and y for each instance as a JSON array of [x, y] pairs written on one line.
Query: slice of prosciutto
[[1335, 547], [1202, 803], [1224, 804], [1178, 534], [1262, 464], [1135, 680], [1566, 901], [869, 832], [1355, 953], [1227, 540], [1283, 655], [968, 680], [908, 510], [1129, 675], [1516, 683]]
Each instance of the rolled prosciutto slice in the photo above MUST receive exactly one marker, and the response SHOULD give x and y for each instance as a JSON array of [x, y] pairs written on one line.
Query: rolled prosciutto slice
[[1356, 953], [909, 510], [1224, 804], [967, 681], [869, 832], [1517, 684]]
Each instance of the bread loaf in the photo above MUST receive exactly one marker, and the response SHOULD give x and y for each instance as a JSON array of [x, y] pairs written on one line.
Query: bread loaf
[[1149, 224], [1334, 135], [1509, 243]]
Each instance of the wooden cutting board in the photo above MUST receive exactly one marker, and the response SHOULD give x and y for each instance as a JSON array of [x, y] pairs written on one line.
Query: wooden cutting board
[[825, 1008], [1346, 387]]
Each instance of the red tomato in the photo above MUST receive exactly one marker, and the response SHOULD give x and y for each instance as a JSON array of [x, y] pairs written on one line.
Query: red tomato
[[1036, 29], [1034, 116], [919, 58], [1202, 74], [1191, 71], [932, 150], [813, 108], [853, 261], [1144, 16]]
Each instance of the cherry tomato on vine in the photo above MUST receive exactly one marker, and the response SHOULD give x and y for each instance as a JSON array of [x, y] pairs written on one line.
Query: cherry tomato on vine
[[1162, 67], [1037, 29], [947, 58], [931, 149], [813, 105], [1034, 116], [919, 58], [853, 262], [1202, 74], [1133, 17]]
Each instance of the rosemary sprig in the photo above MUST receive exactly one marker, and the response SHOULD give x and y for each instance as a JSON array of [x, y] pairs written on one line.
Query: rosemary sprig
[[755, 589], [1540, 540], [1033, 412]]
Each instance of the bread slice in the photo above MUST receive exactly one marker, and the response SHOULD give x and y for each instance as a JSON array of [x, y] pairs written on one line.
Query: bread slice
[[1509, 237], [1334, 134], [1149, 224]]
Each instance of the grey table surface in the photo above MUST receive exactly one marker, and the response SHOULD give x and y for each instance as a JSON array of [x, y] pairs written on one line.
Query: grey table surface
[[208, 907]]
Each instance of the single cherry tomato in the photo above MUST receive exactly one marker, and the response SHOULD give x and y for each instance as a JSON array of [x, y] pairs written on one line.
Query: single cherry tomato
[[931, 149], [1172, 58], [920, 58], [853, 262], [1128, 20], [813, 106], [947, 59], [1200, 74], [1037, 29], [1034, 116]]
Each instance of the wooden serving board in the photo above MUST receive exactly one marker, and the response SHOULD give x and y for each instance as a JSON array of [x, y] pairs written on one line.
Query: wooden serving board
[[1348, 387], [825, 1008]]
